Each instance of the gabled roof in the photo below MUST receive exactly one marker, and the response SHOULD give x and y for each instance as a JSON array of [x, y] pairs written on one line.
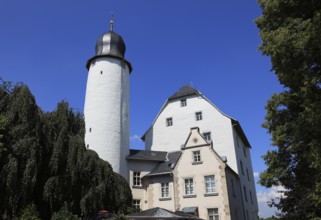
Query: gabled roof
[[166, 166], [160, 213], [186, 90], [147, 155]]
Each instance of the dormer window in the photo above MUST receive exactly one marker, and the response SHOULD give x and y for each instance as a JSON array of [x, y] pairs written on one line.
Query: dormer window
[[183, 102], [198, 116], [169, 122]]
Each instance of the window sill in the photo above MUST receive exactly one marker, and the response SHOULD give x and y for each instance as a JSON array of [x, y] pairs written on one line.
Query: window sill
[[165, 199], [137, 187], [197, 162], [190, 196], [210, 194]]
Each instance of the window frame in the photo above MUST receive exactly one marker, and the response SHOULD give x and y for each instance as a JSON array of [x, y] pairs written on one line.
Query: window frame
[[207, 136], [189, 186], [183, 103], [169, 122], [136, 204], [199, 116], [210, 184], [197, 156], [164, 192], [137, 181], [212, 214]]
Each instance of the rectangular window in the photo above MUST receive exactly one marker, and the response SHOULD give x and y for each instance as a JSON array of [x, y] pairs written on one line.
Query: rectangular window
[[183, 102], [169, 122], [189, 187], [197, 156], [213, 214], [136, 204], [251, 197], [244, 151], [242, 167], [207, 136], [247, 173], [245, 194], [210, 184], [136, 179], [165, 190], [233, 187], [198, 116]]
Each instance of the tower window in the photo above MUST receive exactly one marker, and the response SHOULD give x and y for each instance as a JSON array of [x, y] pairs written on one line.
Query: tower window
[[169, 122], [242, 167], [89, 129], [198, 116], [183, 102], [245, 194], [101, 72]]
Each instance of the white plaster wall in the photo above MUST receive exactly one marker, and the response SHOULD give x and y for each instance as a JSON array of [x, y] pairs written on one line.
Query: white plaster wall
[[163, 138], [107, 111]]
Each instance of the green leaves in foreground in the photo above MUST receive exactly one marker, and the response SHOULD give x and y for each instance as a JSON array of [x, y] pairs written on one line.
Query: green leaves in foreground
[[290, 31], [44, 162]]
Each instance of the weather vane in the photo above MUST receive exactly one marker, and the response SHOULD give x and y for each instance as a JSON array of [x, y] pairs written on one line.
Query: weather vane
[[112, 22]]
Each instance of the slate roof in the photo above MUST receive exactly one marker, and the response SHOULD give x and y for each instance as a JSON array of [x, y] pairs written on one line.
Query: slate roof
[[160, 213], [166, 166], [186, 90], [147, 155]]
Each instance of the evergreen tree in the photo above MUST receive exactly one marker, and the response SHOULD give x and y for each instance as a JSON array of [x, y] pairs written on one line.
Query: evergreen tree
[[45, 161], [290, 31]]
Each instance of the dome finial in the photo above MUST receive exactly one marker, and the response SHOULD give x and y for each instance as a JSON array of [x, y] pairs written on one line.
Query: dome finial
[[111, 22]]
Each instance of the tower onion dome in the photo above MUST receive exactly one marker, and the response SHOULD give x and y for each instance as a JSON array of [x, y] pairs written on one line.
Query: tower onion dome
[[110, 44]]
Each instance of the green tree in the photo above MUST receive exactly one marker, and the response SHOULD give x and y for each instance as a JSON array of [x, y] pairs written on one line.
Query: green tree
[[290, 31], [47, 164], [30, 213]]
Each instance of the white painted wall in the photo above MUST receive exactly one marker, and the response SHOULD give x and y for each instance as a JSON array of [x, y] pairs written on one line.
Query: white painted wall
[[107, 111], [163, 138]]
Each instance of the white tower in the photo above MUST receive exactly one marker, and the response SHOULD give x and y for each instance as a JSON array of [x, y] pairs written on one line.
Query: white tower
[[107, 101]]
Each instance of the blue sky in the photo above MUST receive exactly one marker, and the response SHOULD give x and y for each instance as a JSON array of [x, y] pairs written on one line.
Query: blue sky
[[211, 45]]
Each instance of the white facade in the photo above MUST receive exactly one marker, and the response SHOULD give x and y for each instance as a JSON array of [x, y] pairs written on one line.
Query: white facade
[[107, 111], [226, 134]]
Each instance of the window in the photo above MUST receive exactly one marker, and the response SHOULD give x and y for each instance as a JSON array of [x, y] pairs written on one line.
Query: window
[[198, 116], [197, 156], [244, 151], [183, 102], [207, 136], [169, 122], [245, 195], [165, 190], [136, 204], [189, 187], [210, 184], [213, 214], [247, 173], [136, 179], [233, 187], [242, 167], [89, 129], [251, 197]]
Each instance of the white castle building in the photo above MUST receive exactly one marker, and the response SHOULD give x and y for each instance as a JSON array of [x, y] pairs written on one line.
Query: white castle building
[[196, 158]]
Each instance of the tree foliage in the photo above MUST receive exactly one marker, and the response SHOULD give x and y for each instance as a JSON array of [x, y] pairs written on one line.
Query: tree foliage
[[291, 35], [44, 161]]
